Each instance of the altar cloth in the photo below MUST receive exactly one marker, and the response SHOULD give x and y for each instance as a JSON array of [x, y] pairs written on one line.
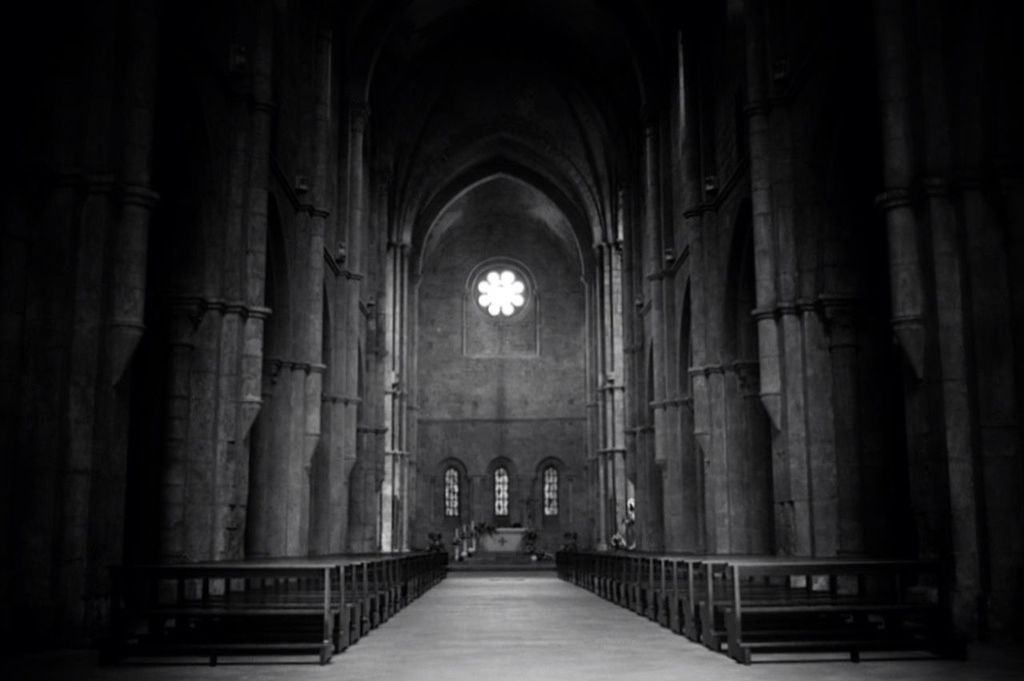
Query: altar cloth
[[502, 540]]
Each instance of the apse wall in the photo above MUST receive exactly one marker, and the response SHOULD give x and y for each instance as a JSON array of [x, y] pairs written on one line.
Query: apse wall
[[501, 391]]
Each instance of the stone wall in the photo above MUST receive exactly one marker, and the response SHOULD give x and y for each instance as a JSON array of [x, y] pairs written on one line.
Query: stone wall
[[494, 389]]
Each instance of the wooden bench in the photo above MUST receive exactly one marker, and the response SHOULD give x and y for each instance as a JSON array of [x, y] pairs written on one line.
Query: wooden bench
[[754, 604], [322, 605], [658, 586], [680, 575], [782, 605], [213, 610]]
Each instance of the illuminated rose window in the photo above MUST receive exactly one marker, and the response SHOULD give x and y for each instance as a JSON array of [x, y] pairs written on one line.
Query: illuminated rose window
[[501, 293]]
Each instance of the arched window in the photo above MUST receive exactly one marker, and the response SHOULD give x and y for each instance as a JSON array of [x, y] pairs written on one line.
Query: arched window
[[501, 491], [451, 493], [550, 491]]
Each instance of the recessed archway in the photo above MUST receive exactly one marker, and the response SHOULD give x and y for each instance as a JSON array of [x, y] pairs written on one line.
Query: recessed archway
[[495, 388]]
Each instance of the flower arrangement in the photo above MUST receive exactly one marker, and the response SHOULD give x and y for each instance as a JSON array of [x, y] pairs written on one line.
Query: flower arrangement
[[435, 544], [483, 528], [530, 542]]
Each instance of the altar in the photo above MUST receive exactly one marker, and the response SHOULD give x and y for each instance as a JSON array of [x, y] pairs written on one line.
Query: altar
[[502, 540]]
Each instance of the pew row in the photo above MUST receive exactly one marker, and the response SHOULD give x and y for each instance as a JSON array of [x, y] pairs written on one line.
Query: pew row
[[320, 606], [850, 606], [768, 604]]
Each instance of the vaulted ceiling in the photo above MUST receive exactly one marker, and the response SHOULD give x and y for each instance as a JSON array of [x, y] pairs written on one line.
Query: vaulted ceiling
[[551, 92]]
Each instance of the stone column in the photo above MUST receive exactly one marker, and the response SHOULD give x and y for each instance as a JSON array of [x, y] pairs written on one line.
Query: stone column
[[320, 197], [792, 472], [897, 147], [675, 448], [957, 403], [824, 485], [391, 378], [596, 309], [659, 442], [403, 488], [586, 514], [600, 511], [613, 386], [125, 282], [793, 458], [128, 260], [761, 208], [840, 319], [202, 472], [694, 426], [607, 525], [231, 460], [394, 396], [724, 510], [617, 386], [691, 529], [270, 462], [88, 391], [254, 261], [349, 327], [1002, 583], [184, 315], [906, 284], [981, 542]]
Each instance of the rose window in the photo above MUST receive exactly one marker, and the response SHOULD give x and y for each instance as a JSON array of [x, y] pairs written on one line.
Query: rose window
[[501, 293]]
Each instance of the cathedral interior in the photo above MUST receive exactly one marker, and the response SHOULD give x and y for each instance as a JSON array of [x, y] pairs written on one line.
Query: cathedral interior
[[297, 278]]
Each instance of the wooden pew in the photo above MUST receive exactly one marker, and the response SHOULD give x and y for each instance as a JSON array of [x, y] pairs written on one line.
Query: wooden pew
[[663, 587], [644, 583], [667, 588], [749, 604], [321, 605], [214, 610], [780, 605], [353, 607]]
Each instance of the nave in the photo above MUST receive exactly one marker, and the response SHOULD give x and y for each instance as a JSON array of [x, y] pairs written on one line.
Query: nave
[[506, 626], [283, 280]]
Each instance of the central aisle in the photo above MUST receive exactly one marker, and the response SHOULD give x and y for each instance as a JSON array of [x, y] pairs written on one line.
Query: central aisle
[[534, 626]]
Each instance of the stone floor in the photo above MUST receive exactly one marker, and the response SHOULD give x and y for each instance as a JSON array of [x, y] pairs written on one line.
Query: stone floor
[[489, 627]]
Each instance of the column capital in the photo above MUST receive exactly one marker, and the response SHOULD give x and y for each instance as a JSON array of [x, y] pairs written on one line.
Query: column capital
[[96, 183], [894, 197], [615, 245], [186, 312], [758, 107], [935, 187]]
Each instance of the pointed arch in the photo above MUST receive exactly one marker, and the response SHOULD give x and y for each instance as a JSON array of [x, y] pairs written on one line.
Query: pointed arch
[[560, 182], [685, 344], [277, 289], [739, 328]]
